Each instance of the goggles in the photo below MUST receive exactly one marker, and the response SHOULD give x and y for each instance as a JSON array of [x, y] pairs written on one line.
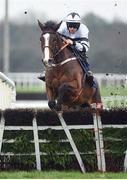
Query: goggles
[[73, 25]]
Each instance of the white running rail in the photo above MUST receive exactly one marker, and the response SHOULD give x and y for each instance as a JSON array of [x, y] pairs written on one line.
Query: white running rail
[[7, 92], [30, 79]]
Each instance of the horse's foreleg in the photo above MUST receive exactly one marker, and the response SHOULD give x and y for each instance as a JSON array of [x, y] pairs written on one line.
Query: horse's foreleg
[[51, 98]]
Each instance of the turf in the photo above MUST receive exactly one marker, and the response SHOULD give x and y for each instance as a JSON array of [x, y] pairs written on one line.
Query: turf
[[60, 175]]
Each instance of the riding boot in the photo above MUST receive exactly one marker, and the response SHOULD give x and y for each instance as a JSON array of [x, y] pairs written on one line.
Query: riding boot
[[90, 78], [42, 76]]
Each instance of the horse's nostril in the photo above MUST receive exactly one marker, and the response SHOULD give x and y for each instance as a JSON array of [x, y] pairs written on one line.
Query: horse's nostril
[[50, 60]]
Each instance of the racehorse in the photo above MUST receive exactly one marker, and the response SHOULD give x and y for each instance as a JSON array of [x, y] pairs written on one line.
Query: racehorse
[[66, 85]]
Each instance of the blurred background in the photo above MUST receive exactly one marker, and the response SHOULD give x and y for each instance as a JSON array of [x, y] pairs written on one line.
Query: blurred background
[[106, 20], [20, 53]]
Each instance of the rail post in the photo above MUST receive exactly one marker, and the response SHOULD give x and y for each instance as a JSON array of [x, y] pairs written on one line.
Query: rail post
[[99, 142], [68, 134]]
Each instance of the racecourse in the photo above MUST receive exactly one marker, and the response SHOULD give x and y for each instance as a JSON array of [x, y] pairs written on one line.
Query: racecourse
[[108, 102], [31, 104], [60, 175]]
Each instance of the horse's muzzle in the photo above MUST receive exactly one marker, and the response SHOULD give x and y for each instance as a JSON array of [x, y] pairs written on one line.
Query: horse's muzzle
[[48, 63]]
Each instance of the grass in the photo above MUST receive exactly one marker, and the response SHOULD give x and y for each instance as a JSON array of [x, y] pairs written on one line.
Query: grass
[[60, 175], [112, 96], [30, 89], [105, 91], [114, 91]]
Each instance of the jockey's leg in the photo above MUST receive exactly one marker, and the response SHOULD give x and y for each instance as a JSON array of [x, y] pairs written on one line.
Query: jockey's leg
[[89, 74]]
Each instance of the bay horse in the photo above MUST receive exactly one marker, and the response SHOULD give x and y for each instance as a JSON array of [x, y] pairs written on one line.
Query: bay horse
[[66, 86]]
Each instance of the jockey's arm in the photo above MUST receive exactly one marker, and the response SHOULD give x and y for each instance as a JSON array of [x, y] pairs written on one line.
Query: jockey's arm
[[82, 45]]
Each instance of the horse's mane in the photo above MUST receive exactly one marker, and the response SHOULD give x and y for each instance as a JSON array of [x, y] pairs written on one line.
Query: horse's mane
[[50, 25]]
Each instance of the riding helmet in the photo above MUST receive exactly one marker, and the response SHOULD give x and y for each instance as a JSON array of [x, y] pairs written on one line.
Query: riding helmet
[[73, 20]]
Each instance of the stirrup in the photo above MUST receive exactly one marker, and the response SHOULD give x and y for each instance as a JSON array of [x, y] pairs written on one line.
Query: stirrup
[[41, 78]]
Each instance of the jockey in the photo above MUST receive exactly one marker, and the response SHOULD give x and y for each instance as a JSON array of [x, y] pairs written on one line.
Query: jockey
[[75, 34]]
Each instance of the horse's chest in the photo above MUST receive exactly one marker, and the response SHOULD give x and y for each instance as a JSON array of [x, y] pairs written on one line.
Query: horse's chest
[[61, 75], [58, 78]]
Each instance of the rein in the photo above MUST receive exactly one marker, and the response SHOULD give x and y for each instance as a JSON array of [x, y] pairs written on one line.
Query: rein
[[66, 60], [63, 47]]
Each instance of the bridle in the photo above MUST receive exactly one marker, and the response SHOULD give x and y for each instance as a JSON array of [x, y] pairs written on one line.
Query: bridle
[[57, 53]]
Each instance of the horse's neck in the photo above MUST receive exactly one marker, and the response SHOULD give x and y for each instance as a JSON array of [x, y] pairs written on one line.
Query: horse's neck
[[64, 54]]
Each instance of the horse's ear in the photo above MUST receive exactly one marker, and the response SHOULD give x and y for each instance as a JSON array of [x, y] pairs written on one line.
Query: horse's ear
[[40, 25], [57, 26]]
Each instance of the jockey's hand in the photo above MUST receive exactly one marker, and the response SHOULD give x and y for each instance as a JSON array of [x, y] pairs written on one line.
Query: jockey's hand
[[68, 41]]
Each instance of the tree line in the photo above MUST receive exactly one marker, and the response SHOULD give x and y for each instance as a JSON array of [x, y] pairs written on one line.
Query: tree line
[[107, 53]]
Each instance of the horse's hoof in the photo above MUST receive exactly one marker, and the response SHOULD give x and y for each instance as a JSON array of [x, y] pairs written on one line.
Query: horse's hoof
[[97, 107], [85, 105], [52, 104]]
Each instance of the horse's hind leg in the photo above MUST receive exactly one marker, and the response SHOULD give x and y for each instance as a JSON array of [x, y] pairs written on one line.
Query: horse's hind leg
[[97, 97]]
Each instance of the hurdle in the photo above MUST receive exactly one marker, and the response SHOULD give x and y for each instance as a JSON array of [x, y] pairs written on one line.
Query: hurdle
[[66, 128], [68, 134], [98, 138]]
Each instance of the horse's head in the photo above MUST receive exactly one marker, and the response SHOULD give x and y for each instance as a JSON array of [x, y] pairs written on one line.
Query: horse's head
[[50, 41]]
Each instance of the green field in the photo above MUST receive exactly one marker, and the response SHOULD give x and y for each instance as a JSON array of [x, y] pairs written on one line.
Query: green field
[[60, 175], [111, 96], [113, 91], [30, 89], [105, 91]]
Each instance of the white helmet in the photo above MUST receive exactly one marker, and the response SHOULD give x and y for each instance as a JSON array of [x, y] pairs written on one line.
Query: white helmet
[[73, 17], [73, 20]]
